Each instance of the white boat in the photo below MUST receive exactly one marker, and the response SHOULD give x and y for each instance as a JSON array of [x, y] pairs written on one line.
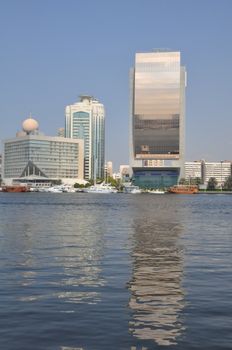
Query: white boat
[[55, 189], [156, 191], [132, 189], [136, 191], [102, 188]]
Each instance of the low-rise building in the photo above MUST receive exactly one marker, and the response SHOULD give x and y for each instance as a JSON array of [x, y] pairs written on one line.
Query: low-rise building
[[205, 170], [35, 158], [219, 170], [193, 170]]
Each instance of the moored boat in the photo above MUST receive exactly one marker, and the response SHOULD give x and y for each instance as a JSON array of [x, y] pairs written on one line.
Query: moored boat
[[102, 188], [16, 188], [183, 189], [157, 191]]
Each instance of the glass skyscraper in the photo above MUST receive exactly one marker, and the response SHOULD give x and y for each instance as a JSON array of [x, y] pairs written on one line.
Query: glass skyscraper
[[157, 118], [86, 120]]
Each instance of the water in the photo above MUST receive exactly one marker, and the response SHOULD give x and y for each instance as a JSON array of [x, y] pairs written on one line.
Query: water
[[102, 272]]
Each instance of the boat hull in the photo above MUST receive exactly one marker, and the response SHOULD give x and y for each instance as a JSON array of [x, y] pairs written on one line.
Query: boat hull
[[183, 189], [15, 189]]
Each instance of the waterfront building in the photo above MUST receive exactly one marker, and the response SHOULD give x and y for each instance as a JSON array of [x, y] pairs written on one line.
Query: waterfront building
[[219, 170], [157, 118], [86, 120], [205, 170], [124, 171], [109, 169], [34, 158], [194, 170]]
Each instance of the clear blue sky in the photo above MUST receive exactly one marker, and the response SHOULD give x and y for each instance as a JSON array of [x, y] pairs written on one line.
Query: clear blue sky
[[53, 50]]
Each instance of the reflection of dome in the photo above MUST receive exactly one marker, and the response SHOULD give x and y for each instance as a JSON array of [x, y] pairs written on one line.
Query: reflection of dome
[[30, 125]]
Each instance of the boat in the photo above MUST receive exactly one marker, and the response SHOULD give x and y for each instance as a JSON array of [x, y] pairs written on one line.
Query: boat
[[16, 188], [157, 191], [184, 189], [132, 189], [55, 189], [101, 188]]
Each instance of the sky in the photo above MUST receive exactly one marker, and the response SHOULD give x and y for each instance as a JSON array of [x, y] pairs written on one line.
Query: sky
[[51, 51]]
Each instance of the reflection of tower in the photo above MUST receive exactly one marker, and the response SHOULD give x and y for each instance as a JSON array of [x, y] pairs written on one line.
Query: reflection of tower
[[156, 294]]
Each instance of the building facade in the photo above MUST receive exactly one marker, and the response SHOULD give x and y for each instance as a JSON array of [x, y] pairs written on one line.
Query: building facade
[[205, 170], [35, 157], [109, 169], [194, 170], [219, 170], [86, 120], [157, 115]]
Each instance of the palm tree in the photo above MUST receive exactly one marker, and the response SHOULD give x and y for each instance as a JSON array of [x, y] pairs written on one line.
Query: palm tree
[[228, 184], [212, 184]]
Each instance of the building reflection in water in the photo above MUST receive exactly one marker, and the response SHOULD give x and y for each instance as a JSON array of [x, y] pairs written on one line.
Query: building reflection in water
[[157, 298]]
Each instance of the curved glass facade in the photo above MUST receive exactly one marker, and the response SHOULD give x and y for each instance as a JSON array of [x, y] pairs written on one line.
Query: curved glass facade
[[153, 178]]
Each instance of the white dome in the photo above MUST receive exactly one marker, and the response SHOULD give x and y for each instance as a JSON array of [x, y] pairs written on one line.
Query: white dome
[[30, 125]]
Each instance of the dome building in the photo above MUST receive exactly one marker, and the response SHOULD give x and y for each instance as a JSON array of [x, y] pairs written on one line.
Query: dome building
[[34, 158], [30, 126]]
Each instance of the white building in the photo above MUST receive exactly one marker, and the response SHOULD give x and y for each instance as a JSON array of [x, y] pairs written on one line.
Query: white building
[[86, 120], [32, 157], [219, 170], [109, 169], [193, 170]]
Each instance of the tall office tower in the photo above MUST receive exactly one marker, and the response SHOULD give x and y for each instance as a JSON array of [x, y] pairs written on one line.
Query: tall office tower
[[86, 120], [157, 115]]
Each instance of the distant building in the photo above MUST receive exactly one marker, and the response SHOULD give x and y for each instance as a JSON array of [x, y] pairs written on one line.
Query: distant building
[[219, 170], [124, 171], [157, 130], [205, 170], [32, 157], [109, 169], [61, 132], [194, 170], [86, 120]]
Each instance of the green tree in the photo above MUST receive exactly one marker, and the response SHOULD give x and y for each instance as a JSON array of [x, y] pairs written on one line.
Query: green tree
[[212, 184], [197, 181], [183, 181], [228, 184], [77, 185]]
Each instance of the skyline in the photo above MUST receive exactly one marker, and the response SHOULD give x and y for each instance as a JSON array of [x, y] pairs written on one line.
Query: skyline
[[51, 54]]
